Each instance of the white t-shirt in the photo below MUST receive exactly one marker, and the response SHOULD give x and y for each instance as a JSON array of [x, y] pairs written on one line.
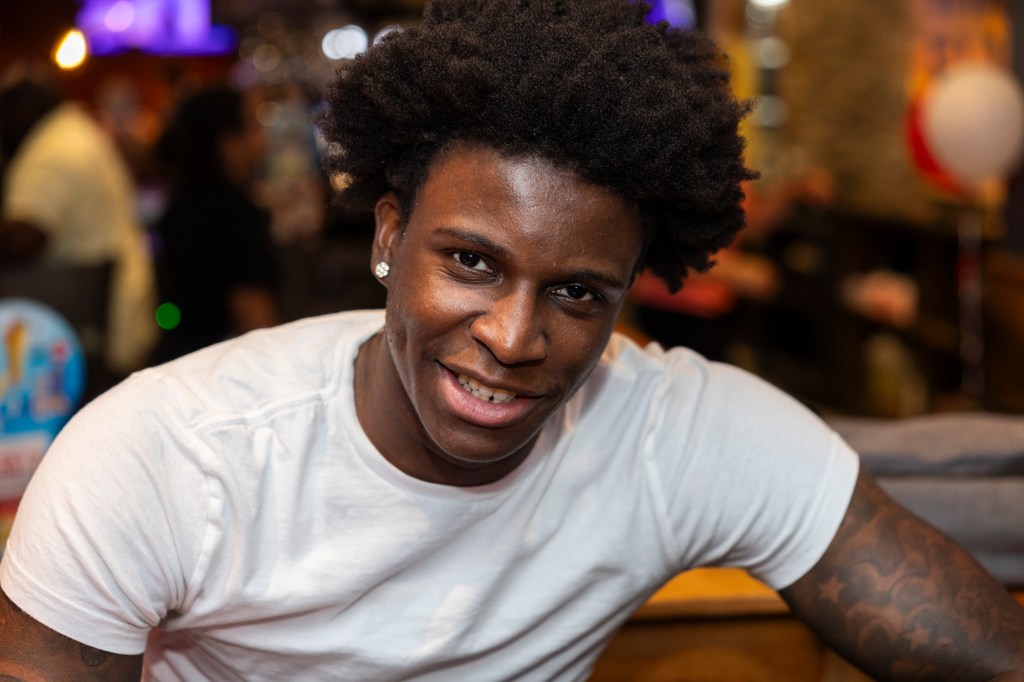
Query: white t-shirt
[[231, 501], [68, 179]]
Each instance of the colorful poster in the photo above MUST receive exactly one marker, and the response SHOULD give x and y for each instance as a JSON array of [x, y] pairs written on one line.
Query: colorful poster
[[949, 32], [42, 378]]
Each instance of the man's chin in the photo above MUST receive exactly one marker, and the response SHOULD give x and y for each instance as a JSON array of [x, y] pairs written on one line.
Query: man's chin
[[479, 457], [478, 460]]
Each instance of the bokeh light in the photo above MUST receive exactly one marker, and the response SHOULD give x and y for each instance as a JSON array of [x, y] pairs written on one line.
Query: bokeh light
[[345, 43], [168, 316], [772, 52], [119, 17], [71, 51], [266, 57], [268, 114], [390, 28]]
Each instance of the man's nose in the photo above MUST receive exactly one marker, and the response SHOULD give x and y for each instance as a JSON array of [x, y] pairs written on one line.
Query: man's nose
[[512, 329]]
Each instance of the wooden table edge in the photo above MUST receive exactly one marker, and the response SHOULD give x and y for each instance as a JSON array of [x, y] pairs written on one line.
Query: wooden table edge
[[721, 593]]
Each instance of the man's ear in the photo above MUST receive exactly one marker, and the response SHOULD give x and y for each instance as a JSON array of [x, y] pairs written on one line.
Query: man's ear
[[388, 218]]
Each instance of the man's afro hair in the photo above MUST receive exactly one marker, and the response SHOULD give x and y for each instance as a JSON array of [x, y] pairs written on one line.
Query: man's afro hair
[[587, 84]]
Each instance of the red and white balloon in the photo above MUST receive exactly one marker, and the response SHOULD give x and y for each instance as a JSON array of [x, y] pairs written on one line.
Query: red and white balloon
[[972, 121]]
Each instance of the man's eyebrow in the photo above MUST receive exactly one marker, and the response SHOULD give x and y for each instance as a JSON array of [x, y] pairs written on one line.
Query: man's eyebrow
[[579, 275], [477, 239], [596, 277]]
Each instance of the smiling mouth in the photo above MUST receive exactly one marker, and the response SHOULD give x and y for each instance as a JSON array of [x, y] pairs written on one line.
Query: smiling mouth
[[485, 393]]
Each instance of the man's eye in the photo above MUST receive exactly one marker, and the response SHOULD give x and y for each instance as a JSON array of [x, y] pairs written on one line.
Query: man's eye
[[471, 260], [577, 292]]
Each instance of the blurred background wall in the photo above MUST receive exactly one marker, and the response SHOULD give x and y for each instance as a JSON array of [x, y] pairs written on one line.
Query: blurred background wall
[[897, 291]]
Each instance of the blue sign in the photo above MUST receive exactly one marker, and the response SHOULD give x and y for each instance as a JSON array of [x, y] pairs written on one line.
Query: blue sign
[[42, 379]]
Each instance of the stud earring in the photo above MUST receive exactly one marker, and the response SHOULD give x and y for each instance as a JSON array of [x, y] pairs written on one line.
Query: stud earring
[[381, 269]]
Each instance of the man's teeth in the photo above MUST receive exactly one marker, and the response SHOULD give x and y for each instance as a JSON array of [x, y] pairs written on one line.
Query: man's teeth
[[485, 393]]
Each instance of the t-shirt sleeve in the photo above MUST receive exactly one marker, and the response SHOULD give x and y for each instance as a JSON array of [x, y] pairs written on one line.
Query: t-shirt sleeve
[[113, 522], [750, 477]]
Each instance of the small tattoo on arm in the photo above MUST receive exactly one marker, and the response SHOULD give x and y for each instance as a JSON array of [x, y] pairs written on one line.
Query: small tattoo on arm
[[831, 590]]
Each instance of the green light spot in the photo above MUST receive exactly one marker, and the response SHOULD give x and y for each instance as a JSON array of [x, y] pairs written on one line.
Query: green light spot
[[168, 316]]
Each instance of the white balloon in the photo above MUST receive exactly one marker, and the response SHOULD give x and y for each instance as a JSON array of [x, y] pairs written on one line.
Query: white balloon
[[973, 121]]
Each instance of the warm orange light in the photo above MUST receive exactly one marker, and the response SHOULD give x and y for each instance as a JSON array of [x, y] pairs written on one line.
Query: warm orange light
[[71, 50]]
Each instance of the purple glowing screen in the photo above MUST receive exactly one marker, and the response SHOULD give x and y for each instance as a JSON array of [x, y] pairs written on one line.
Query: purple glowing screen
[[676, 12], [168, 27]]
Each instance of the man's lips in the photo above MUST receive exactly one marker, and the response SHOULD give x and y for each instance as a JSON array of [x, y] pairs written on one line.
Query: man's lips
[[485, 393], [484, 404], [488, 385]]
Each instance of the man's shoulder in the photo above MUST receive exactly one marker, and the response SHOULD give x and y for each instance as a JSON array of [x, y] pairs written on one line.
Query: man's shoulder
[[629, 360], [306, 360], [674, 381]]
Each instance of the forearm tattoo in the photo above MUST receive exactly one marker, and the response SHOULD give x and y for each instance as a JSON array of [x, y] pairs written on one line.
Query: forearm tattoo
[[900, 600]]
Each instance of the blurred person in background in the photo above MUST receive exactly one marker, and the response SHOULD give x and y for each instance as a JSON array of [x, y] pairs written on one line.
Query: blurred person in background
[[68, 197], [215, 260]]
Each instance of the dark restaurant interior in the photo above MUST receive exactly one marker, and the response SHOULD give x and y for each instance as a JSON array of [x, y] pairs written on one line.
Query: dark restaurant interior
[[880, 279]]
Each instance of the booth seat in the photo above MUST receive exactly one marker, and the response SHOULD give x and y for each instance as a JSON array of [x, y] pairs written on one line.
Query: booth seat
[[961, 472]]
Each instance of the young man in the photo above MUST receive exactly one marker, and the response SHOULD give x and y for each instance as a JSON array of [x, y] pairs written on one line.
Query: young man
[[480, 482]]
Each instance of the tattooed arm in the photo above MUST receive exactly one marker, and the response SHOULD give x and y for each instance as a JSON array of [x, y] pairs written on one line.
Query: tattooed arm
[[32, 652], [903, 602]]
